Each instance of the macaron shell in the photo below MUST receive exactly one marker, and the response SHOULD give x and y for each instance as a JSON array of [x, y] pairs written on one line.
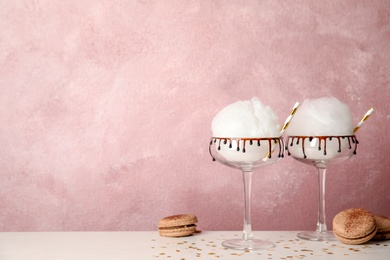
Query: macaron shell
[[177, 231], [383, 223], [178, 220], [354, 223]]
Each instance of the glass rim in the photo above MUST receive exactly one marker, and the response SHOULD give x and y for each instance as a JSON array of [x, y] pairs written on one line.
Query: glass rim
[[320, 136], [247, 138]]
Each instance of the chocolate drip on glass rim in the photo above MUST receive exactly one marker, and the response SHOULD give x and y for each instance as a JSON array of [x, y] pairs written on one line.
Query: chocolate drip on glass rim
[[252, 141], [322, 139]]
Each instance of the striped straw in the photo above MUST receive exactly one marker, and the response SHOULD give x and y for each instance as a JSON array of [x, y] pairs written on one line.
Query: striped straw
[[365, 117], [288, 120]]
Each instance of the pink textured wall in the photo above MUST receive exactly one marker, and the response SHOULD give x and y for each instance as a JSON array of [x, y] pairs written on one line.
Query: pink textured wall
[[106, 109]]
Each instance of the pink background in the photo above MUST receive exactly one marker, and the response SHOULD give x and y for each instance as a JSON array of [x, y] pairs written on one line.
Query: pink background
[[106, 109]]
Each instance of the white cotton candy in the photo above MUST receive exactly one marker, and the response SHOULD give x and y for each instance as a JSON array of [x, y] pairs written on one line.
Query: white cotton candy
[[248, 118], [325, 116]]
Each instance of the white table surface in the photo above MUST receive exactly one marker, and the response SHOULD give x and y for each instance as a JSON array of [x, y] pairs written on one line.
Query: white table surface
[[149, 245]]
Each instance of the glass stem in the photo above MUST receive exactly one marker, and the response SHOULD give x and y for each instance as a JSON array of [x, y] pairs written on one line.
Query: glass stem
[[321, 224], [247, 233]]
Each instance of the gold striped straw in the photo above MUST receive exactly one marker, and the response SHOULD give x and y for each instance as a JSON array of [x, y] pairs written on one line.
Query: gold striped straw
[[365, 117], [288, 120]]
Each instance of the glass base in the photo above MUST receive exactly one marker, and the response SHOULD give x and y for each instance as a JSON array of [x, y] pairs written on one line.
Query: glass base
[[317, 236], [250, 244]]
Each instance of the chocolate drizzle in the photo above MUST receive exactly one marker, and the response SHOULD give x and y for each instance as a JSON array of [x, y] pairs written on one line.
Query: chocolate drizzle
[[321, 139], [243, 141]]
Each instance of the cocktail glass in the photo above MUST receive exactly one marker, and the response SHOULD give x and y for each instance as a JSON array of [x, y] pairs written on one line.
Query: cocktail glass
[[246, 154], [321, 151]]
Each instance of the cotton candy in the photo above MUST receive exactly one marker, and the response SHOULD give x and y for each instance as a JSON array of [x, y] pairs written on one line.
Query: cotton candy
[[245, 119], [325, 116], [249, 118]]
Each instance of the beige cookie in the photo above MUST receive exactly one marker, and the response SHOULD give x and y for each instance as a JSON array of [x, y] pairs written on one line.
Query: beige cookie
[[354, 226], [178, 225], [383, 225]]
